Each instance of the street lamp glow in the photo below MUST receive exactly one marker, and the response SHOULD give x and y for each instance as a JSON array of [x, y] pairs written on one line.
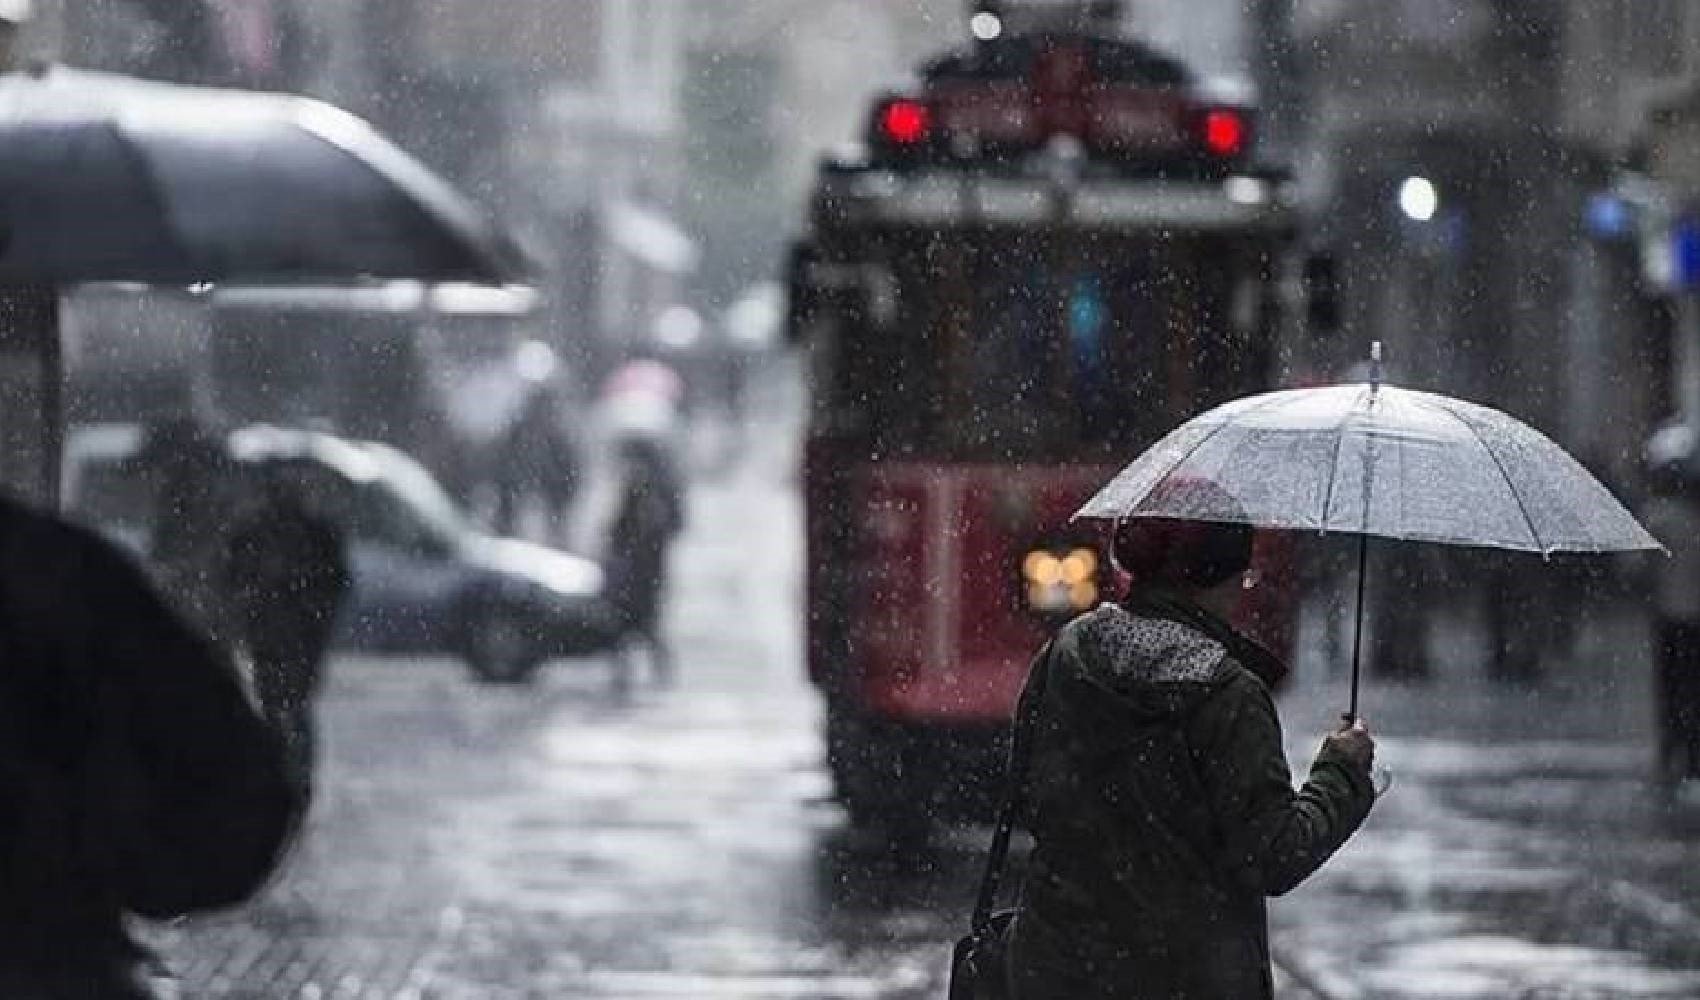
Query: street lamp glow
[[985, 25], [1418, 199], [535, 361], [678, 327]]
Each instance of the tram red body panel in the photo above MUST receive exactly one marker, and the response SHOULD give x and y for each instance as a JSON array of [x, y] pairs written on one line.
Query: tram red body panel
[[941, 566], [942, 632]]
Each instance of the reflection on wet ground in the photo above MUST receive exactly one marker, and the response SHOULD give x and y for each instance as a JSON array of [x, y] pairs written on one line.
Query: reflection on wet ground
[[1522, 851]]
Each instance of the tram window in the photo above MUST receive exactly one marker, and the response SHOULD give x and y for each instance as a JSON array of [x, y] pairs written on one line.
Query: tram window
[[1009, 351]]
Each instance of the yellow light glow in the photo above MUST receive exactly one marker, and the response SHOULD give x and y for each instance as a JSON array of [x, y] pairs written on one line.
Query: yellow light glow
[[1042, 568], [1078, 567], [1083, 595]]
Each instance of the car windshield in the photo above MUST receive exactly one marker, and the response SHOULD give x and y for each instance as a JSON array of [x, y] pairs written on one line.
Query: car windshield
[[418, 491], [111, 493]]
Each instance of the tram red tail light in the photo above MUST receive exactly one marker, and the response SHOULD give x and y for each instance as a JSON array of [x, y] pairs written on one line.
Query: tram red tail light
[[1224, 132], [905, 122]]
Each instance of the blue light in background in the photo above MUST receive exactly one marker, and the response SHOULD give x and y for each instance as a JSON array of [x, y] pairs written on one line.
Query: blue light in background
[[1088, 320], [1087, 314], [1685, 253], [1608, 217]]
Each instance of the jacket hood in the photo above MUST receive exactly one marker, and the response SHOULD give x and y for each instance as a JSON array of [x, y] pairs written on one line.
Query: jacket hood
[[1153, 666]]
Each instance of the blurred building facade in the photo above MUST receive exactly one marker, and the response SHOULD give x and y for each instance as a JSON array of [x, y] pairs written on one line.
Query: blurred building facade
[[1475, 168], [1663, 184], [561, 114], [1511, 120], [246, 43]]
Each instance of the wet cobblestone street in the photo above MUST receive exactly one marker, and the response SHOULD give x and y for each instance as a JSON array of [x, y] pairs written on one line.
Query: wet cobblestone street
[[554, 841]]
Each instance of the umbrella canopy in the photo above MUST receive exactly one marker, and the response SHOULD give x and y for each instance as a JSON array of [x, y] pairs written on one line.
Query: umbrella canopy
[[110, 178], [1377, 460]]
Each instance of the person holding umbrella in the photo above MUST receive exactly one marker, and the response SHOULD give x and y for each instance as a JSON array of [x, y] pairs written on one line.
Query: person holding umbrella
[[1146, 755], [1157, 791]]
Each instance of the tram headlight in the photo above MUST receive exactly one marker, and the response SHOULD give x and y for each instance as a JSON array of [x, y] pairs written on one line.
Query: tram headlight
[[1060, 581]]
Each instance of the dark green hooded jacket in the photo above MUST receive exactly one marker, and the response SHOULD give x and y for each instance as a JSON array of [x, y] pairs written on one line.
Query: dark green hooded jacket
[[1163, 811]]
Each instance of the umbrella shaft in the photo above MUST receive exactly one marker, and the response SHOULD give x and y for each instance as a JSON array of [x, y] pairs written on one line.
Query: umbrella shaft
[[1358, 628]]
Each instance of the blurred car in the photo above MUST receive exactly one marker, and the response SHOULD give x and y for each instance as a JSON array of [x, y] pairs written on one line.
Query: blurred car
[[425, 577]]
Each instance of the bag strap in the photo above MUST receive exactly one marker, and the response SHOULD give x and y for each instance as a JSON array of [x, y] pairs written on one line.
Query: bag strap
[[1015, 791]]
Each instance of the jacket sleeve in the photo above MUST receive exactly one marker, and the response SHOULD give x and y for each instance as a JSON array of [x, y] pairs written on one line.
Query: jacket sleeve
[[1273, 837]]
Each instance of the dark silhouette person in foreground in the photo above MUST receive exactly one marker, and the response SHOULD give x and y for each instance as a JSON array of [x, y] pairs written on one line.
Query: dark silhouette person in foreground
[[651, 513], [1159, 796], [135, 775], [286, 573]]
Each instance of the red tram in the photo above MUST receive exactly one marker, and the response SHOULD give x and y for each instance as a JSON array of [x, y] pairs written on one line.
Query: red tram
[[1053, 251]]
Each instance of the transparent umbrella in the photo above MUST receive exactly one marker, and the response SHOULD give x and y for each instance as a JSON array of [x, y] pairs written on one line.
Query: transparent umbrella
[[1373, 459]]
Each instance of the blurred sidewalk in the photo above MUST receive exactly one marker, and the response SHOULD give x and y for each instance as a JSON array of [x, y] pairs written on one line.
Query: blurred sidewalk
[[1521, 851]]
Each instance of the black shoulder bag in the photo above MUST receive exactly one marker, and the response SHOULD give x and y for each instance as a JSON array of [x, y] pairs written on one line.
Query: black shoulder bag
[[979, 966]]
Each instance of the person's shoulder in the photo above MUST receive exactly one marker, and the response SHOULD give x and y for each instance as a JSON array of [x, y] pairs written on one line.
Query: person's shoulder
[[1135, 647], [1239, 685], [1086, 623]]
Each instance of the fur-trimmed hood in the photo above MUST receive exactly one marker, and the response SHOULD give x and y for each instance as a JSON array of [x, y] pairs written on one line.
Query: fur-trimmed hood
[[1153, 665]]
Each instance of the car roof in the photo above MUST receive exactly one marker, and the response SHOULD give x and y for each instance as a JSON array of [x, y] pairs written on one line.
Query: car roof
[[105, 440], [362, 461]]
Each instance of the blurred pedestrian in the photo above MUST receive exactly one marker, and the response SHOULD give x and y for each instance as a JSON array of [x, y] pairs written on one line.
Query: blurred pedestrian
[[135, 776], [1672, 513], [190, 474], [537, 465], [1158, 794], [644, 397], [286, 573], [650, 514]]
